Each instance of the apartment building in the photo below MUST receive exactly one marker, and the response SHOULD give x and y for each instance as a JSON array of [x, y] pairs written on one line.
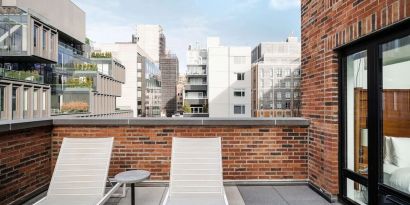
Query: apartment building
[[169, 65], [86, 85], [150, 87], [181, 93], [276, 79], [142, 79], [30, 33], [229, 80], [196, 89], [151, 39]]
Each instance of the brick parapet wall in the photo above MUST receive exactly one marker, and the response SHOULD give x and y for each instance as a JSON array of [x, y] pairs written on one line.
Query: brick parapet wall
[[326, 25], [249, 152], [25, 162]]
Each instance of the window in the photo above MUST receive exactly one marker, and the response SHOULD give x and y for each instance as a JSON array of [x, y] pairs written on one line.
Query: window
[[44, 39], [35, 35], [287, 105], [279, 95], [287, 95], [395, 112], [296, 72], [278, 72], [278, 105], [239, 109], [14, 102], [287, 72], [239, 93], [239, 59], [296, 84], [240, 76], [296, 95], [375, 117], [287, 84], [52, 43]]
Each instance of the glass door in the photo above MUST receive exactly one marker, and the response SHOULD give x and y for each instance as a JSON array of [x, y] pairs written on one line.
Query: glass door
[[395, 58], [374, 79], [355, 169]]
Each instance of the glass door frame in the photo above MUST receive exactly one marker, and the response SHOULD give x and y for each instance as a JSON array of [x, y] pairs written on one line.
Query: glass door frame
[[374, 182]]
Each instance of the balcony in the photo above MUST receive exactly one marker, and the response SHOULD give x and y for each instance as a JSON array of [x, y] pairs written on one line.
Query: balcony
[[197, 100], [264, 160], [196, 87], [196, 74], [26, 76]]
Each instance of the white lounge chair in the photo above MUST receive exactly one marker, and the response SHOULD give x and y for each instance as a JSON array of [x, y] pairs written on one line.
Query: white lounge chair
[[80, 173], [196, 173]]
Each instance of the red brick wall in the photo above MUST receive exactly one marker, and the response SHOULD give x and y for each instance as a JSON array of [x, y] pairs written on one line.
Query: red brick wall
[[25, 159], [327, 24], [249, 153]]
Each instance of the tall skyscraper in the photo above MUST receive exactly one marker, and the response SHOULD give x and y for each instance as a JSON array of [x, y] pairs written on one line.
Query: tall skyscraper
[[229, 80], [151, 39], [169, 65], [276, 79]]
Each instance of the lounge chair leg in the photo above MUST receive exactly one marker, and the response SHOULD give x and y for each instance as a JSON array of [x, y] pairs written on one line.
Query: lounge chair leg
[[132, 194], [124, 190]]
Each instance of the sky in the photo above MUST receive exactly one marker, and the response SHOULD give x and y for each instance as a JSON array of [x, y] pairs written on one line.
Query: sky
[[185, 22]]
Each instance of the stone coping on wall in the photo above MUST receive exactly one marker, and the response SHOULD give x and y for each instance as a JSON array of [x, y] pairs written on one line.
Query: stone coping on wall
[[186, 122], [14, 125]]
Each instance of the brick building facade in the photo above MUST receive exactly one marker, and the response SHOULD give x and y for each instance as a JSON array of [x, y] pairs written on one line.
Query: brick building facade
[[326, 25]]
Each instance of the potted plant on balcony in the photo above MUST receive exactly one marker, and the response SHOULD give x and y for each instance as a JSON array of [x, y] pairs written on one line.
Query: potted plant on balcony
[[74, 107]]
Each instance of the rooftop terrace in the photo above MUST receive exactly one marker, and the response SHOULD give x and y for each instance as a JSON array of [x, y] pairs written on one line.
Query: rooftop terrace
[[265, 161]]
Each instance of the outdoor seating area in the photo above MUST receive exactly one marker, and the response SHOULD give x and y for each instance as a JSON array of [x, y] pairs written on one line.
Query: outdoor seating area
[[196, 177]]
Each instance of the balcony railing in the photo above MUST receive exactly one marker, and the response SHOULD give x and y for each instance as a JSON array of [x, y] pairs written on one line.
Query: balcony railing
[[29, 76], [196, 97], [196, 73], [197, 83]]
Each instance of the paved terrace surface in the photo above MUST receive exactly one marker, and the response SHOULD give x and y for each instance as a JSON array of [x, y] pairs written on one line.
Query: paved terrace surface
[[237, 195]]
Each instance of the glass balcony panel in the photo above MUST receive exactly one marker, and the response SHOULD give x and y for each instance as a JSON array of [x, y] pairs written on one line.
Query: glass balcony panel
[[29, 76]]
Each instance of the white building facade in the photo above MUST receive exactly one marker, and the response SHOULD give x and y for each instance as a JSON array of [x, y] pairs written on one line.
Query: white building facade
[[276, 78], [196, 88], [141, 91], [151, 39], [229, 80]]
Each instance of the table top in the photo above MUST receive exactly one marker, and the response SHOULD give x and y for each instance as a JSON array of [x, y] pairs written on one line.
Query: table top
[[133, 176]]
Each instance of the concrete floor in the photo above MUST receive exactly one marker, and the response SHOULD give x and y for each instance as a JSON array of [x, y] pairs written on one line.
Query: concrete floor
[[241, 195], [237, 195]]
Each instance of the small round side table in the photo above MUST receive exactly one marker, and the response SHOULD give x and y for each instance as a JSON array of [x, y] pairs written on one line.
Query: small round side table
[[132, 177]]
